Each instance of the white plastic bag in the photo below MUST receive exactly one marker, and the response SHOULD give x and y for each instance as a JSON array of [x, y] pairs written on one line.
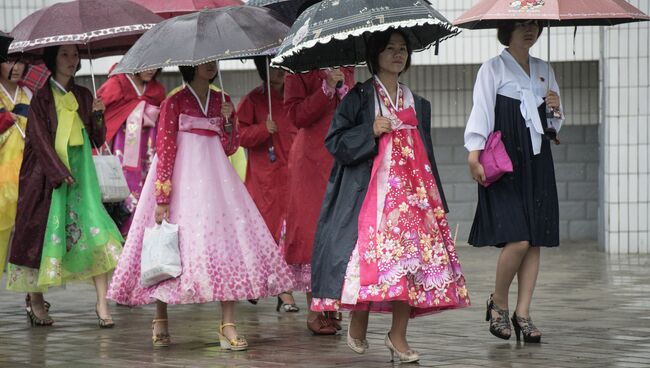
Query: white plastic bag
[[110, 176], [161, 258]]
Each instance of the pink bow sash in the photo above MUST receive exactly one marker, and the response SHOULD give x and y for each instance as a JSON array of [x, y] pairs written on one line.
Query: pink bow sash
[[187, 123], [404, 119], [144, 115]]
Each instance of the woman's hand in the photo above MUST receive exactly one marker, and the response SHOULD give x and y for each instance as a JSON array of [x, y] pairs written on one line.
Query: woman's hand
[[271, 126], [69, 180], [381, 126], [227, 108], [162, 212], [552, 100], [98, 105], [475, 167]]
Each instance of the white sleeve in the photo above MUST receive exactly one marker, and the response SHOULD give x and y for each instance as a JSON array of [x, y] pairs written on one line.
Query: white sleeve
[[556, 123], [481, 119]]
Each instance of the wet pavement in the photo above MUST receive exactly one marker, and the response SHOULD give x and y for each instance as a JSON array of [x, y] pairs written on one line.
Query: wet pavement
[[593, 309]]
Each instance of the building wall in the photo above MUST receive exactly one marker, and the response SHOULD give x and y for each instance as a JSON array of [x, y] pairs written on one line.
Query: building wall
[[625, 170]]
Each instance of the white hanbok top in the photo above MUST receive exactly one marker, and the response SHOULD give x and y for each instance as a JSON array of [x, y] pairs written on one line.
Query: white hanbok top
[[504, 76]]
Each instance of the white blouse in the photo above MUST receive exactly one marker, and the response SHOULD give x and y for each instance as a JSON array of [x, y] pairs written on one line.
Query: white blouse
[[504, 76]]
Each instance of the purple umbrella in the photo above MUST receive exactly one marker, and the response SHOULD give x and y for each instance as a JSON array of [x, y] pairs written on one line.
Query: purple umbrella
[[103, 28]]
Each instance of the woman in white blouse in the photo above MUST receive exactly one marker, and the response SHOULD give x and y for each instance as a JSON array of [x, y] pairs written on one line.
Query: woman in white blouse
[[518, 213]]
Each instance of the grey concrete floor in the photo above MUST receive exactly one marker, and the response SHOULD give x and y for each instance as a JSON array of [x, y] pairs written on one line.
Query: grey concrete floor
[[593, 309]]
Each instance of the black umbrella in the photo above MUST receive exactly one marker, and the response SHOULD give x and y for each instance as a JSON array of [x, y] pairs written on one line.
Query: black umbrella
[[287, 10], [237, 32], [5, 41], [333, 32]]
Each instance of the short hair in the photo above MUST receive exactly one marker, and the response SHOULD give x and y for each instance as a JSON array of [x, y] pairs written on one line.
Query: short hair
[[49, 58], [188, 73], [378, 42], [504, 32], [22, 60]]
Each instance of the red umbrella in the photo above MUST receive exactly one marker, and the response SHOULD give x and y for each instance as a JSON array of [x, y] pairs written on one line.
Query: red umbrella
[[172, 8], [490, 13], [104, 27]]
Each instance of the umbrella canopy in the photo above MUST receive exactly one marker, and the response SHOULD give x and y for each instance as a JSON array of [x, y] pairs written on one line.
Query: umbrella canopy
[[492, 13], [5, 40], [173, 8], [333, 32], [209, 35], [106, 27], [288, 10]]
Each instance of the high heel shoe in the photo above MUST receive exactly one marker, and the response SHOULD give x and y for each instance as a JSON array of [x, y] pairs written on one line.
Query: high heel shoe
[[160, 340], [104, 322], [499, 326], [236, 344], [359, 346], [28, 303], [409, 356], [527, 328], [34, 320], [290, 308]]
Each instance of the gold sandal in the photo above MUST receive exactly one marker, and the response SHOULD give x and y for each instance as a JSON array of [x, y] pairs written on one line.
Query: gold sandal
[[237, 344], [160, 340]]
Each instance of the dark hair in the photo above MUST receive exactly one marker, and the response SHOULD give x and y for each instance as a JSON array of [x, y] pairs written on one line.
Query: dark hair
[[377, 43], [504, 32], [49, 58], [260, 65], [14, 60], [188, 73]]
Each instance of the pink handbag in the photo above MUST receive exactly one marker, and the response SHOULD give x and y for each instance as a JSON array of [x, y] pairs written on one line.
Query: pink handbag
[[494, 159]]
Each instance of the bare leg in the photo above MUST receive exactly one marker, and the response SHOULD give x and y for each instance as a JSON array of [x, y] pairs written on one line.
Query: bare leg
[[509, 262], [101, 286], [359, 324], [162, 327], [38, 305], [527, 278], [287, 298], [228, 316], [397, 334]]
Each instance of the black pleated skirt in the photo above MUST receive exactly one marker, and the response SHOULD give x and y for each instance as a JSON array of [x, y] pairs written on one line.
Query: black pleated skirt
[[522, 205]]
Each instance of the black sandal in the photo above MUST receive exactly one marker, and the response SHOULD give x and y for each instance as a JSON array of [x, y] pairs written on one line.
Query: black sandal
[[526, 326], [499, 326], [289, 308], [34, 320]]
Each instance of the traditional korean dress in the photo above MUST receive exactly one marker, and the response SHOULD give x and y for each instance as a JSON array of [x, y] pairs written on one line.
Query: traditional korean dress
[[131, 116], [80, 239], [12, 145], [522, 205], [227, 252], [311, 105], [267, 172], [404, 249]]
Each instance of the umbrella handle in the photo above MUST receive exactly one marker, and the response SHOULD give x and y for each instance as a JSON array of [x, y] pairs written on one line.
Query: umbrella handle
[[228, 125]]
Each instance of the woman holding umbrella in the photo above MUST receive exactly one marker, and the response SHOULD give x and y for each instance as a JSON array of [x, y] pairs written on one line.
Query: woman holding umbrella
[[518, 213], [62, 231], [267, 134], [132, 107], [14, 105], [401, 257]]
